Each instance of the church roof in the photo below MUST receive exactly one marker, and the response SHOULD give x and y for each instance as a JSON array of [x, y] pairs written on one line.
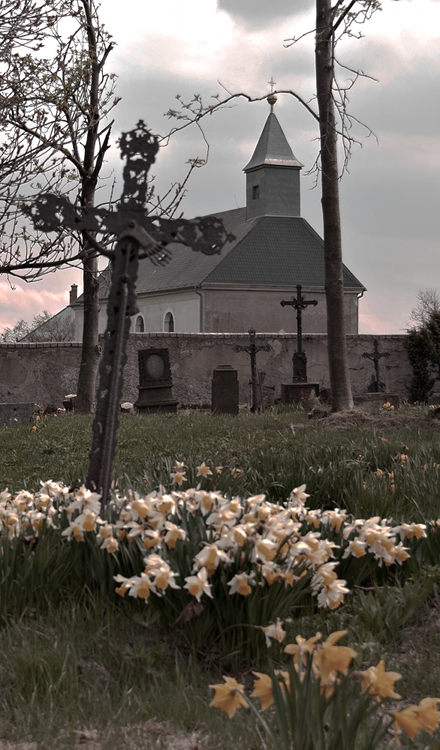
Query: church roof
[[272, 148], [269, 251]]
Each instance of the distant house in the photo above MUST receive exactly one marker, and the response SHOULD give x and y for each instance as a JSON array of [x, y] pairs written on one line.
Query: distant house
[[60, 327], [274, 249]]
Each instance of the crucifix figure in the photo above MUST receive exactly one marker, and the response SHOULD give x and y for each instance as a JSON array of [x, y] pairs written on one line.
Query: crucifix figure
[[252, 349], [375, 356], [138, 235], [299, 358]]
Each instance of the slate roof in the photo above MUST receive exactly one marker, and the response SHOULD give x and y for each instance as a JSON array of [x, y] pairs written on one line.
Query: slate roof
[[268, 251], [273, 148]]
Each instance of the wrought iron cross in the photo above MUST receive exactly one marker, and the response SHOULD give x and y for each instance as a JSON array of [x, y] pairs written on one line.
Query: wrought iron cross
[[139, 235], [252, 349], [375, 356], [299, 358]]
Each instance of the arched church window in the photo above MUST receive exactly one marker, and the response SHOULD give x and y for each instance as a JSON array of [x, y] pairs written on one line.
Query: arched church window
[[139, 325], [169, 323]]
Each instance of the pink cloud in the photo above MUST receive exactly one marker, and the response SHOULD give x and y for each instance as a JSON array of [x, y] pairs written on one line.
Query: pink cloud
[[23, 301]]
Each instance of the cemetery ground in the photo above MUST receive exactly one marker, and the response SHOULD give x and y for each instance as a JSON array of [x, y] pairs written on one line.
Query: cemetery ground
[[81, 666]]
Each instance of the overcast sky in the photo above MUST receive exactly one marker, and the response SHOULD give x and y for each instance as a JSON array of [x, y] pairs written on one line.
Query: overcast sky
[[390, 199]]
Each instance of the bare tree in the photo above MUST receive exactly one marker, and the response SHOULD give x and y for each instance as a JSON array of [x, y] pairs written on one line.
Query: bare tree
[[55, 118], [428, 302]]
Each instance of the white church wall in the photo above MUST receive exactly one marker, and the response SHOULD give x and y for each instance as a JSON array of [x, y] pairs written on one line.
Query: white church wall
[[184, 307], [235, 311]]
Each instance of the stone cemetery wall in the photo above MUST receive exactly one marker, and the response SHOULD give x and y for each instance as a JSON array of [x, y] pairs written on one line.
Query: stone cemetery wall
[[45, 373], [39, 373]]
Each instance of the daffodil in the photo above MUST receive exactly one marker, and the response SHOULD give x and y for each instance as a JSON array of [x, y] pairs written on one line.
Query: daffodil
[[298, 496], [263, 689], [228, 697], [110, 544], [198, 585], [274, 631], [380, 683], [302, 647], [428, 713], [330, 658], [203, 470], [241, 583], [409, 720]]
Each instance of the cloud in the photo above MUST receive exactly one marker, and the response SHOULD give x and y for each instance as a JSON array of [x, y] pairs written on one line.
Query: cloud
[[22, 301], [264, 13]]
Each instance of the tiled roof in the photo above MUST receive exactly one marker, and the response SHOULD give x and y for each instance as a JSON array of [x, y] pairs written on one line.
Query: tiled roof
[[278, 251], [270, 251]]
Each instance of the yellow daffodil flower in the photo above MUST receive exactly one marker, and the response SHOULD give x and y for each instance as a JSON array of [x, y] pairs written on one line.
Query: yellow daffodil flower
[[263, 690], [409, 720], [228, 697], [379, 682]]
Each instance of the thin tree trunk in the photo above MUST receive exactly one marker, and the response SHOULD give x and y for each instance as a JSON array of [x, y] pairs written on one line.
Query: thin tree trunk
[[86, 389], [334, 288], [88, 371]]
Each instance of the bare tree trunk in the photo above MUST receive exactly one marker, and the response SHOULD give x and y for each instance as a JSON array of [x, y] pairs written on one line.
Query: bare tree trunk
[[92, 162], [86, 388], [334, 288]]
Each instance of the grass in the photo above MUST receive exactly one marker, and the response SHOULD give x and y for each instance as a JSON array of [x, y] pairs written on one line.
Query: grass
[[72, 667]]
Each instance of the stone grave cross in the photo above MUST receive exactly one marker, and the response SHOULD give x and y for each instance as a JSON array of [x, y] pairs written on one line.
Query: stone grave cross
[[375, 356], [139, 235], [299, 357], [252, 349]]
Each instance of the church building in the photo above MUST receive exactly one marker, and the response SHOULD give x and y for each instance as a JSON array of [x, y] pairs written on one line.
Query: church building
[[274, 250]]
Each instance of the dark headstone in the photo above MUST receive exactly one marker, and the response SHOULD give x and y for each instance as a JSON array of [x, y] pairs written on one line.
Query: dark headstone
[[155, 382], [225, 390], [69, 402], [14, 414]]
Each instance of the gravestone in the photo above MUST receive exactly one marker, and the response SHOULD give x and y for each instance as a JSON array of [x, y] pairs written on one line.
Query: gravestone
[[224, 390], [300, 389], [252, 349], [155, 382], [15, 414]]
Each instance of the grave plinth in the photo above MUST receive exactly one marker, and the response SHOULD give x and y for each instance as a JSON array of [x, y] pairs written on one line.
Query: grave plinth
[[224, 390], [155, 386], [14, 414], [295, 393]]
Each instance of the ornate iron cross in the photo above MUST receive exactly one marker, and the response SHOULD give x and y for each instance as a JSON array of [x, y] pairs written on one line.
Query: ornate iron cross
[[139, 235], [252, 349], [299, 358], [375, 356]]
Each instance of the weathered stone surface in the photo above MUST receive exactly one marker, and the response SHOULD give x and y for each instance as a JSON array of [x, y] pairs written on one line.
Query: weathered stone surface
[[51, 370], [15, 414], [295, 393], [225, 390], [376, 401]]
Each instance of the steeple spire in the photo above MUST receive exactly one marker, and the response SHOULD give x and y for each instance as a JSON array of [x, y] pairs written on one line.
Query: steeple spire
[[272, 174]]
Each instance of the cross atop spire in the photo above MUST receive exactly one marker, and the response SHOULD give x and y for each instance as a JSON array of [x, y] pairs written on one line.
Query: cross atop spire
[[271, 98]]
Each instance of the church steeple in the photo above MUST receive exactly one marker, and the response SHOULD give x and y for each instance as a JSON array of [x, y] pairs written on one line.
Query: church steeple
[[272, 175]]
